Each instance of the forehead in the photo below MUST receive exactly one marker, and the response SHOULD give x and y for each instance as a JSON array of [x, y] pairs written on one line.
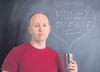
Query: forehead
[[39, 16]]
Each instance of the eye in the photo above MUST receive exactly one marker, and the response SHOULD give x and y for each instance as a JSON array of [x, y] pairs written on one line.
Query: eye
[[44, 25], [37, 25]]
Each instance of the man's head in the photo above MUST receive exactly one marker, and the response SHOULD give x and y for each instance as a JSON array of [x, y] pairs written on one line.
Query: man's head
[[39, 27]]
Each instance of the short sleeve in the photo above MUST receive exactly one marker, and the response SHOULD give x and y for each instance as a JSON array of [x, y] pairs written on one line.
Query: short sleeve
[[59, 63], [10, 63]]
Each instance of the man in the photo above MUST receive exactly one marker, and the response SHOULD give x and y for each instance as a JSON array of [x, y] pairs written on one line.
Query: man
[[35, 56]]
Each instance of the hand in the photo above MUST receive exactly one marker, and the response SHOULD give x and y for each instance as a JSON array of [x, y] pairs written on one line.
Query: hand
[[73, 67]]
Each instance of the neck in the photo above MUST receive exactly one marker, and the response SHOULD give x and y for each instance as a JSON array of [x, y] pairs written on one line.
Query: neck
[[38, 44]]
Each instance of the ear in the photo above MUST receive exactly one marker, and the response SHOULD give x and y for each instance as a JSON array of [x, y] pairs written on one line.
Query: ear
[[29, 29]]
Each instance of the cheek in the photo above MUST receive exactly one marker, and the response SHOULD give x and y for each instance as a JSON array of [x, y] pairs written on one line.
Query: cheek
[[47, 30], [47, 33], [32, 32]]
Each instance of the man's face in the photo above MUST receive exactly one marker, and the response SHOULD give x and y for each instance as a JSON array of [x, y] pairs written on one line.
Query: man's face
[[39, 27]]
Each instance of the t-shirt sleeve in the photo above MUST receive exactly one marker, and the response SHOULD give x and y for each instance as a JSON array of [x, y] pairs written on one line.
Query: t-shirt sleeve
[[10, 63], [59, 63]]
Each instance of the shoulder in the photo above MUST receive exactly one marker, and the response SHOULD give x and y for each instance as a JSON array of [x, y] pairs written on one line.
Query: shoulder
[[53, 51], [18, 50], [55, 54], [20, 47]]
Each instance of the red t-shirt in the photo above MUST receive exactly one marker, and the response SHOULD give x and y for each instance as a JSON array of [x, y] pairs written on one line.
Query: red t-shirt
[[26, 58]]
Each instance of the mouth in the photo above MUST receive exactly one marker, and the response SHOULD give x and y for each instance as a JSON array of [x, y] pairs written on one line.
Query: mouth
[[40, 34]]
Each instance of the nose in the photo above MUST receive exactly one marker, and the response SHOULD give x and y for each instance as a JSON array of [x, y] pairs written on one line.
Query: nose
[[40, 29]]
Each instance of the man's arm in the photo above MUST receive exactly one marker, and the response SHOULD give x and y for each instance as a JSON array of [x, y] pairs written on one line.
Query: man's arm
[[10, 62]]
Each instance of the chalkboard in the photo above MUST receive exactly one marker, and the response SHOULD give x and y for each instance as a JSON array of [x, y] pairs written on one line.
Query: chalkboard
[[74, 23]]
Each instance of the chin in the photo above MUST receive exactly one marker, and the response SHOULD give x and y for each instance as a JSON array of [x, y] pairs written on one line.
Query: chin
[[42, 40]]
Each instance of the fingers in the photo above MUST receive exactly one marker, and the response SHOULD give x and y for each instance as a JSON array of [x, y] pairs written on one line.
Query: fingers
[[72, 67]]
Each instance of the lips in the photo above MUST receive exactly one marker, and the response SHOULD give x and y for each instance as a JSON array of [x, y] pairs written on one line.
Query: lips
[[40, 34]]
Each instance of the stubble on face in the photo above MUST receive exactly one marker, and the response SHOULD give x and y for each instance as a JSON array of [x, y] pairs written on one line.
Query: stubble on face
[[36, 33]]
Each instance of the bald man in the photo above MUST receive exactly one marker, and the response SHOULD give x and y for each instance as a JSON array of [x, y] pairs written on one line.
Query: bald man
[[35, 55]]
